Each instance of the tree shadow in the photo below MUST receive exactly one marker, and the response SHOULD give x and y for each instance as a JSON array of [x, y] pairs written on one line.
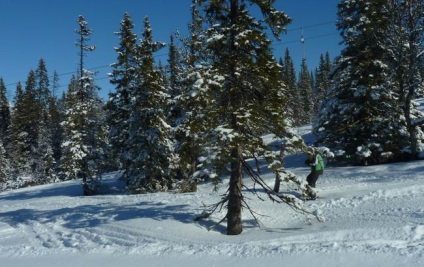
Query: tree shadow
[[88, 216], [110, 186], [70, 188]]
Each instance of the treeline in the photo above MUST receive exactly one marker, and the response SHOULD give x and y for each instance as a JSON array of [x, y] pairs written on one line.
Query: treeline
[[42, 134]]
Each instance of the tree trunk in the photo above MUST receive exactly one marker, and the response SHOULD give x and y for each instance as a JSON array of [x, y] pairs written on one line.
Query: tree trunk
[[234, 221], [277, 174], [411, 128], [277, 183]]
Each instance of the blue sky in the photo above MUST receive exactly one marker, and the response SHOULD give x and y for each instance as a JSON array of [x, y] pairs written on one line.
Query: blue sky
[[34, 29]]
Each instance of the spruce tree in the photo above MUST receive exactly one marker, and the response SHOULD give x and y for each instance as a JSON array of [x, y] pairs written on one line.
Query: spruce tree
[[56, 113], [231, 109], [5, 118], [83, 149], [360, 117], [119, 106], [322, 81], [21, 131], [305, 93], [406, 54], [45, 170], [45, 165], [150, 139], [5, 123], [290, 80], [187, 145], [175, 83], [43, 93], [5, 174]]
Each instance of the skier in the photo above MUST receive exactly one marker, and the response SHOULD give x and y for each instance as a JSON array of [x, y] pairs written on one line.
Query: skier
[[316, 162]]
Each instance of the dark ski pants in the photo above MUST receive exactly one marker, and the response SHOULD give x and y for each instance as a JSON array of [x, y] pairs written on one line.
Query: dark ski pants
[[313, 177]]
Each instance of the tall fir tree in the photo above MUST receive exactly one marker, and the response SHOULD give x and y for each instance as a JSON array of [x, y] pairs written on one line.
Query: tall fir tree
[[119, 106], [83, 148], [151, 150], [304, 86], [43, 93], [406, 54], [5, 117], [5, 121], [31, 118], [322, 81], [56, 113], [187, 145], [5, 168], [290, 80], [175, 83], [45, 164], [22, 130], [231, 110], [360, 118]]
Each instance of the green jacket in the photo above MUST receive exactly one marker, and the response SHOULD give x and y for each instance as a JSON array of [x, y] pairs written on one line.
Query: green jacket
[[316, 162], [319, 162]]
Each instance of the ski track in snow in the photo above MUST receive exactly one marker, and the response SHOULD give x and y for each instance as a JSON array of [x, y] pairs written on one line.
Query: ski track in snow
[[366, 211]]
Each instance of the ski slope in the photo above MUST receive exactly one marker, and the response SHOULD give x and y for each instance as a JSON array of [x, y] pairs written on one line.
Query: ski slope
[[374, 216]]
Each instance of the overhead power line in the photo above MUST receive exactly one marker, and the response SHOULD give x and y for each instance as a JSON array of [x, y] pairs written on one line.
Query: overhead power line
[[308, 38], [160, 55], [311, 26]]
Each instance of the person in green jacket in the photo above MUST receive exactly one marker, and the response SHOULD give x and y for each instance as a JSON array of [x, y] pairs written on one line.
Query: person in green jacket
[[316, 162]]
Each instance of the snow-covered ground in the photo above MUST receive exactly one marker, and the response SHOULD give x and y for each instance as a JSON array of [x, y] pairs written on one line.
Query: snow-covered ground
[[374, 217]]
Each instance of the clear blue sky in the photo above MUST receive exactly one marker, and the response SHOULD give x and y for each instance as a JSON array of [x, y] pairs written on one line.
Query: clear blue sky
[[34, 29]]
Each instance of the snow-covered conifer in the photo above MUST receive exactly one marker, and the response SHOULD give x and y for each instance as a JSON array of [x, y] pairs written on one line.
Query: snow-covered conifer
[[4, 113], [150, 137], [5, 174], [292, 93], [305, 92], [405, 49], [322, 81], [236, 96], [361, 112], [123, 76], [85, 133]]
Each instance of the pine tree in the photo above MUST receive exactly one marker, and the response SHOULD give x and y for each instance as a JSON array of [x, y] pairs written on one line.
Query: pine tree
[[187, 146], [31, 115], [43, 93], [175, 83], [406, 54], [4, 114], [4, 168], [150, 136], [361, 116], [44, 163], [5, 121], [83, 149], [45, 170], [119, 105], [305, 92], [22, 132], [290, 80], [56, 114], [322, 81], [176, 114], [232, 110]]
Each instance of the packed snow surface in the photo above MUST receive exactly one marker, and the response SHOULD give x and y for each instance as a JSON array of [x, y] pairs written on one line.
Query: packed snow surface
[[374, 216]]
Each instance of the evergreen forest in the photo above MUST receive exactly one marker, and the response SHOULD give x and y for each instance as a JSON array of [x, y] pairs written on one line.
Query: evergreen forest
[[198, 118]]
